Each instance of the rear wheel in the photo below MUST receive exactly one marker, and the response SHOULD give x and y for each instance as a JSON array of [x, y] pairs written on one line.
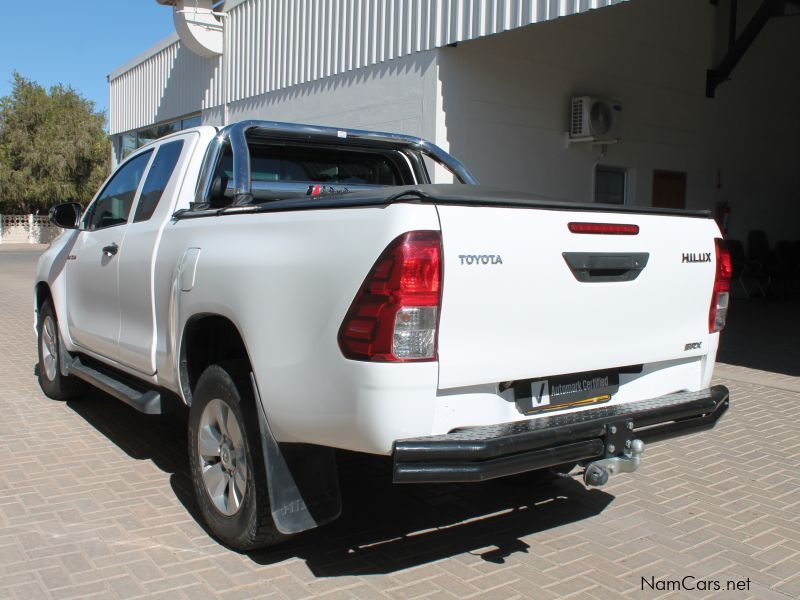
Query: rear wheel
[[53, 383], [226, 459]]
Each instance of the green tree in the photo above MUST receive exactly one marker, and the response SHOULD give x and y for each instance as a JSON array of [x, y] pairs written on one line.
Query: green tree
[[53, 147]]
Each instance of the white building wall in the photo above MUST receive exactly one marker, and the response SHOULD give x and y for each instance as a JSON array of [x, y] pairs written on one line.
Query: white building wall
[[506, 99], [500, 103], [167, 82], [276, 44], [398, 96], [272, 45]]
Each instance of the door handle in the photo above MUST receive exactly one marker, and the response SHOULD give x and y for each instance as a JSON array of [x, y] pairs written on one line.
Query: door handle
[[111, 250]]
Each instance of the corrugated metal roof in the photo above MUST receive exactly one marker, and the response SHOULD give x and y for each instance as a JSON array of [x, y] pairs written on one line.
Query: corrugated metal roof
[[171, 83], [275, 44], [140, 58]]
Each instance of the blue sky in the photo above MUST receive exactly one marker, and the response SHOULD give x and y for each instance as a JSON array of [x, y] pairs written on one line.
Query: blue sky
[[77, 43]]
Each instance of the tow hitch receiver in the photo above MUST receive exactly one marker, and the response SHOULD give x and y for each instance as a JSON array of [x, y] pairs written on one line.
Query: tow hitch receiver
[[623, 455]]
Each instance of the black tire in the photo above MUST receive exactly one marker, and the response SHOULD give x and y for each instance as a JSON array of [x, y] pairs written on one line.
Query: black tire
[[53, 383], [251, 525]]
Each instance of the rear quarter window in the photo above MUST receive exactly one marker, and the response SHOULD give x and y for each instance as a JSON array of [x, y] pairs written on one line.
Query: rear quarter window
[[157, 179]]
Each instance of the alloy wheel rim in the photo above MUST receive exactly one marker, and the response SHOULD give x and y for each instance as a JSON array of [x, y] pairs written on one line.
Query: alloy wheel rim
[[223, 459], [49, 349]]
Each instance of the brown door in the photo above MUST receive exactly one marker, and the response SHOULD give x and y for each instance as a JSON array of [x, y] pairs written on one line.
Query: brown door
[[669, 189]]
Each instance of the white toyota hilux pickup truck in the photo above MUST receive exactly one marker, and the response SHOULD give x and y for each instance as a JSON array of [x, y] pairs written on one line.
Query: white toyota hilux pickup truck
[[303, 289]]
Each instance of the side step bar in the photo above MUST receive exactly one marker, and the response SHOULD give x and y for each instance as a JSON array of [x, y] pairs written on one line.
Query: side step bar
[[148, 402]]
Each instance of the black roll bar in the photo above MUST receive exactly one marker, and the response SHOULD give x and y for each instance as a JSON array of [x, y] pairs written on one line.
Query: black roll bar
[[236, 135]]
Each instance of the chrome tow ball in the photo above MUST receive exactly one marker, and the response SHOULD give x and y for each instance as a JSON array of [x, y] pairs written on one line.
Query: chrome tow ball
[[598, 472]]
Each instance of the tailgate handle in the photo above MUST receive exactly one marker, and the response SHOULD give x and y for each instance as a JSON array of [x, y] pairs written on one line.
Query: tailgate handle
[[599, 267]]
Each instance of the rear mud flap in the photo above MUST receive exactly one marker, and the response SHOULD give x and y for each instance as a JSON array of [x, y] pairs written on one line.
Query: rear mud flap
[[302, 479]]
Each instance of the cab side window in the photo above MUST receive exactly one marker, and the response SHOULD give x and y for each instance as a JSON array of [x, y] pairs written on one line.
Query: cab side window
[[157, 179], [113, 205]]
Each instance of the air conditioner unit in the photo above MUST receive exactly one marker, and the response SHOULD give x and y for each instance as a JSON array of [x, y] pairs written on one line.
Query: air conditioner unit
[[594, 119]]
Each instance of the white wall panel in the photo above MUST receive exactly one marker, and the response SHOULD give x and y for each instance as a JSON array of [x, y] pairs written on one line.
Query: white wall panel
[[505, 111], [399, 96], [171, 83], [276, 44], [281, 43]]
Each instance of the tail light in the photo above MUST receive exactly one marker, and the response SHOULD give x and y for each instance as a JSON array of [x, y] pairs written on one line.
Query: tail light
[[722, 286], [395, 315]]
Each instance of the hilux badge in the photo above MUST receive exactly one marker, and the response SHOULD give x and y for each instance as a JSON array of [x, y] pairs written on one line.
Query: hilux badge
[[696, 257]]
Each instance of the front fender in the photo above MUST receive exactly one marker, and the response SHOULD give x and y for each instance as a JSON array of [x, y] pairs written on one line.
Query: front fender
[[51, 273]]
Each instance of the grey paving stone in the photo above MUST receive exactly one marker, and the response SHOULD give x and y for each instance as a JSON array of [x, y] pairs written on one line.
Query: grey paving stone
[[95, 501]]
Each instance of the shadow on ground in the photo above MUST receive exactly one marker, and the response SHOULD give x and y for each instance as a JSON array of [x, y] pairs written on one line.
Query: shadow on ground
[[762, 334], [384, 527]]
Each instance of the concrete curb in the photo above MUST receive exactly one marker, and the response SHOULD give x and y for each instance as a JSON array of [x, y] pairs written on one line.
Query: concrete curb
[[23, 247]]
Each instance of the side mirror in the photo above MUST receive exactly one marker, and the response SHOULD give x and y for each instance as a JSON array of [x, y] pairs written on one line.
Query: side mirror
[[66, 215]]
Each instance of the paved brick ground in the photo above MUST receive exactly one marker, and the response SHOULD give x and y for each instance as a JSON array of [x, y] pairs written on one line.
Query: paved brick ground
[[95, 502]]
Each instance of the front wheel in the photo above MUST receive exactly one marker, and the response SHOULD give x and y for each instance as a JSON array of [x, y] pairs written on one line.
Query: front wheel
[[226, 459], [53, 383]]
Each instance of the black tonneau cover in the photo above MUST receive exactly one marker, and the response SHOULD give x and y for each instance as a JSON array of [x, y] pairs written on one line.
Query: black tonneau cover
[[453, 194]]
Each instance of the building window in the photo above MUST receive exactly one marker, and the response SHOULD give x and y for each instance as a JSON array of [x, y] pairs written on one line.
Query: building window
[[128, 145], [195, 121], [133, 140], [151, 134], [609, 184]]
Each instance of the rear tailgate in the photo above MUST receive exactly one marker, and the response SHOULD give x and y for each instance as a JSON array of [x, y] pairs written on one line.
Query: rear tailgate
[[513, 308]]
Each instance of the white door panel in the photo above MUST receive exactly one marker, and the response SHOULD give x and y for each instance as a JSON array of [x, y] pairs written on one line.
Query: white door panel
[[92, 274], [92, 300], [137, 256]]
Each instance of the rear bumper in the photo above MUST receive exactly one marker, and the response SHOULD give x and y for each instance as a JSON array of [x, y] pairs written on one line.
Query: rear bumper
[[491, 451]]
